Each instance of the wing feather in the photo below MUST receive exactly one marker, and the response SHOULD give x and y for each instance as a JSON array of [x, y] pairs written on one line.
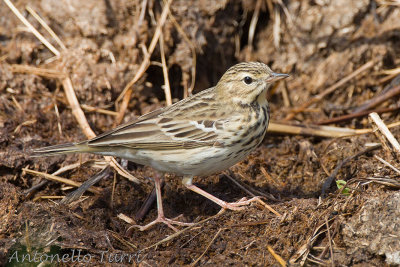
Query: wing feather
[[168, 128], [152, 134]]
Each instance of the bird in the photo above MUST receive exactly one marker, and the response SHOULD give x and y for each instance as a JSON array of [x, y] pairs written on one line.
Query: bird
[[200, 135]]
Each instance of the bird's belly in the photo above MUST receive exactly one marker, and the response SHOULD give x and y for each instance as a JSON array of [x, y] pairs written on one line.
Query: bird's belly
[[193, 162]]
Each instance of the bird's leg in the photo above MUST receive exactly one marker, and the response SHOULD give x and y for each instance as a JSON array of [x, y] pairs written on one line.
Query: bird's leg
[[187, 181], [146, 206], [161, 218]]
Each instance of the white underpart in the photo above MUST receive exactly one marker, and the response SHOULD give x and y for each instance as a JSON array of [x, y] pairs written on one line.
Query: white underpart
[[197, 161]]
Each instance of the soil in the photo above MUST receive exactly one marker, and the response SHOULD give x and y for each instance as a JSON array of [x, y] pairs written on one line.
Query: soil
[[317, 42]]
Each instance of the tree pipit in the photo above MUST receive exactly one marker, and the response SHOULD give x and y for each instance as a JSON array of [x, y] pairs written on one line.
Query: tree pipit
[[197, 136]]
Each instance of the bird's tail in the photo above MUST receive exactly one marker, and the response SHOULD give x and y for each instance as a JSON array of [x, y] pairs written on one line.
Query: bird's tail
[[60, 149]]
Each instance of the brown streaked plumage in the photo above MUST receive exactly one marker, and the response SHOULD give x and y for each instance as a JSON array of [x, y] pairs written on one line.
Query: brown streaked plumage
[[200, 135]]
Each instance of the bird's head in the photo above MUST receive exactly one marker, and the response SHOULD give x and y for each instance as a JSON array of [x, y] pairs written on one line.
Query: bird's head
[[247, 82]]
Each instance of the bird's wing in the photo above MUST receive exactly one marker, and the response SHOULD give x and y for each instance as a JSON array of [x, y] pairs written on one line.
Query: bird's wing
[[168, 128], [162, 133]]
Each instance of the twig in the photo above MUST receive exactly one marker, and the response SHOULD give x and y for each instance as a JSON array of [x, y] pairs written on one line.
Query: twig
[[383, 141], [391, 71], [121, 171], [319, 130], [316, 260], [126, 93], [85, 186], [285, 95], [61, 180], [330, 237], [314, 130], [387, 78], [252, 27], [379, 99], [385, 131], [388, 3], [99, 110], [31, 28], [122, 240], [67, 168], [382, 180], [268, 207], [306, 248], [278, 258], [54, 98], [270, 6], [167, 87], [113, 190], [47, 28], [208, 246], [76, 109], [44, 182], [35, 187], [142, 12], [276, 29], [356, 115], [17, 104], [192, 49], [330, 242], [25, 123], [330, 89], [387, 164], [49, 73], [125, 218], [269, 177]]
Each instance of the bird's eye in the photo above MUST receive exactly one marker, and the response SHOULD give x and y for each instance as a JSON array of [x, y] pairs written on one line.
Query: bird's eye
[[247, 80]]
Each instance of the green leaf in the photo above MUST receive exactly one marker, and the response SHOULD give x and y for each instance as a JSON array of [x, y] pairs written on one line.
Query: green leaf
[[342, 183]]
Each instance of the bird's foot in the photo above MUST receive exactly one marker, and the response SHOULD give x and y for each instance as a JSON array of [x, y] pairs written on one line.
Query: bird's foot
[[225, 205], [239, 205]]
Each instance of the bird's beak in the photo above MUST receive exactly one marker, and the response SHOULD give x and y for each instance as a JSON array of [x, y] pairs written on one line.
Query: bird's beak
[[276, 77]]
